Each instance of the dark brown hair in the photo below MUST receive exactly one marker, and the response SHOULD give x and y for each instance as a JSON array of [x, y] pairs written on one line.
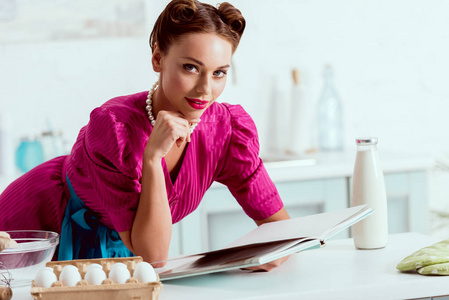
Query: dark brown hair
[[182, 17]]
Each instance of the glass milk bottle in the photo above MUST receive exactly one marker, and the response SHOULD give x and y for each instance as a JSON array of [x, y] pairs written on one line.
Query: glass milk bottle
[[368, 187]]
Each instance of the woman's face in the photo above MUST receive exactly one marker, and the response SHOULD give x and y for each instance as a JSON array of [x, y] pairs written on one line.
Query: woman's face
[[192, 73]]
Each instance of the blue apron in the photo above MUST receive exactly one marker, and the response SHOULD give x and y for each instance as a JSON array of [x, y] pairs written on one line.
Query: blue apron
[[83, 236]]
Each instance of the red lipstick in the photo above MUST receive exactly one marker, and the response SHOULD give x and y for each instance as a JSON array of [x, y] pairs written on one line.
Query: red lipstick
[[197, 103]]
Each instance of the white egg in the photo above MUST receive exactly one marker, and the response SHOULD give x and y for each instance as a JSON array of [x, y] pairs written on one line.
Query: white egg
[[119, 274], [144, 272], [95, 275], [45, 278], [119, 265], [96, 266], [70, 276]]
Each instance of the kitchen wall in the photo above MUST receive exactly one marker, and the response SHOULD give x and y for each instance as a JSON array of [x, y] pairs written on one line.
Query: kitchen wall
[[389, 58]]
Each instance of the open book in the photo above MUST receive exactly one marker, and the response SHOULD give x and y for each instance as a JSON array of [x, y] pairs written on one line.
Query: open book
[[266, 243]]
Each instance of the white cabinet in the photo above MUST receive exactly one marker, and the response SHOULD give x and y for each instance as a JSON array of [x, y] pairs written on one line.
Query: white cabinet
[[408, 202], [219, 219]]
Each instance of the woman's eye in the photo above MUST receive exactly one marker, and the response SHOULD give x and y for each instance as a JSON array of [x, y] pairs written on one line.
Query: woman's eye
[[220, 73], [190, 68]]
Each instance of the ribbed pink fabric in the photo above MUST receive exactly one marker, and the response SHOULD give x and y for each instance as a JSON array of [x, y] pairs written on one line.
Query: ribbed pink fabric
[[105, 168]]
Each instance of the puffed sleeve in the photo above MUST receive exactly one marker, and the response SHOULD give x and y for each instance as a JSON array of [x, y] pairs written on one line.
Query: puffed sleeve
[[244, 173], [112, 167]]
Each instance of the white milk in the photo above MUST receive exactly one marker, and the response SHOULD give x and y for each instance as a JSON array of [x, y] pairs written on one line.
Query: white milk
[[368, 187]]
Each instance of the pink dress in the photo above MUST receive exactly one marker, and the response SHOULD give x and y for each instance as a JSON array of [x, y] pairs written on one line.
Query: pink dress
[[105, 168]]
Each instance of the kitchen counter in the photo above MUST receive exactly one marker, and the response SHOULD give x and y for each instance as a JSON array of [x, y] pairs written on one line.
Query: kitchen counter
[[325, 165], [336, 271], [341, 164]]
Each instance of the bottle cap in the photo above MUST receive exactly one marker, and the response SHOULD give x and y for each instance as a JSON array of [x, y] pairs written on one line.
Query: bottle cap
[[366, 141]]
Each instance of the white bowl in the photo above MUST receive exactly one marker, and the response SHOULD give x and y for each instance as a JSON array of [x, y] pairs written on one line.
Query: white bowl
[[35, 248]]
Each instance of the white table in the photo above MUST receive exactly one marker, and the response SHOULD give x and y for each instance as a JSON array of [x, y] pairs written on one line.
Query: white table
[[337, 271]]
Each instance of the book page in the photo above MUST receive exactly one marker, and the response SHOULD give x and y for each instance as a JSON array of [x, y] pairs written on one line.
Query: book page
[[314, 226], [227, 259], [266, 243]]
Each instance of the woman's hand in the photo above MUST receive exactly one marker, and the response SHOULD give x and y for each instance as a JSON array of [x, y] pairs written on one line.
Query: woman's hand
[[150, 234], [280, 215], [170, 128], [268, 266]]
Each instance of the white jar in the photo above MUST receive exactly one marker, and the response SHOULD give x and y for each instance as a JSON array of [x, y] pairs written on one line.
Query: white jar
[[368, 187]]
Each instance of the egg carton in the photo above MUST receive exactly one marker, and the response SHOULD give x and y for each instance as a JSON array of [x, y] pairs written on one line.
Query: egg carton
[[108, 290]]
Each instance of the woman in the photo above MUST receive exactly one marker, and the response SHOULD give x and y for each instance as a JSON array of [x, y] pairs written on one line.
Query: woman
[[144, 161]]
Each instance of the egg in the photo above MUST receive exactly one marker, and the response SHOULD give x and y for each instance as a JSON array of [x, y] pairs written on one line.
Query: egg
[[95, 275], [94, 265], [70, 276], [45, 278], [144, 272], [119, 273], [119, 265]]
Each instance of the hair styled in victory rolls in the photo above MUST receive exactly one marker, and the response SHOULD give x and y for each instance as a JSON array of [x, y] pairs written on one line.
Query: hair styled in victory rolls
[[182, 17]]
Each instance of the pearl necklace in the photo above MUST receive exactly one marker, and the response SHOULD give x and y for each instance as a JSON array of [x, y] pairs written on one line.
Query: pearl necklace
[[149, 102], [149, 107]]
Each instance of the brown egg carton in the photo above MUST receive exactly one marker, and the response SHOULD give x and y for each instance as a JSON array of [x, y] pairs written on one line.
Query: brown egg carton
[[108, 290]]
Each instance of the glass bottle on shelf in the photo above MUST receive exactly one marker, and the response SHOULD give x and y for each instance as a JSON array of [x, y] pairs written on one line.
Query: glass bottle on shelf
[[330, 123]]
